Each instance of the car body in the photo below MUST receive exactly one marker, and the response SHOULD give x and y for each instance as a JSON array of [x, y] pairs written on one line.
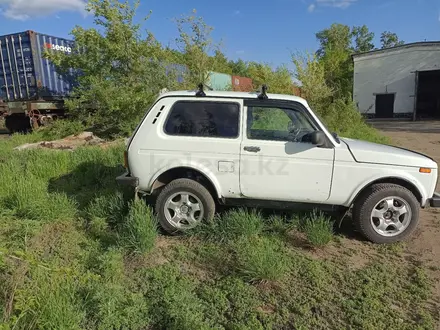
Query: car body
[[267, 148]]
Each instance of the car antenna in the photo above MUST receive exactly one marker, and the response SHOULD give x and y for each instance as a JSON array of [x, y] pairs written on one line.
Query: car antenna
[[200, 92], [263, 94]]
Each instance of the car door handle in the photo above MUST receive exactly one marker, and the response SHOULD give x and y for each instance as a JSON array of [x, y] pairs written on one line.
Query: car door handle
[[252, 149]]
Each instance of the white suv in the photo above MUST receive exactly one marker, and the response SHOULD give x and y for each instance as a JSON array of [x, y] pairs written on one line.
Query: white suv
[[194, 150]]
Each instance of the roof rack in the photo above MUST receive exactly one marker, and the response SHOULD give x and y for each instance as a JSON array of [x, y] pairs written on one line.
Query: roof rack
[[263, 94], [200, 92]]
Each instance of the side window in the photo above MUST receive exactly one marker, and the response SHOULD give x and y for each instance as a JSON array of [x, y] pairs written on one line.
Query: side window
[[204, 119], [278, 124]]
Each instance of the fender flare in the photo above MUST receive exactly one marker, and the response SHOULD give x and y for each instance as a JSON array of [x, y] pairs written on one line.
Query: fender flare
[[199, 168], [407, 178]]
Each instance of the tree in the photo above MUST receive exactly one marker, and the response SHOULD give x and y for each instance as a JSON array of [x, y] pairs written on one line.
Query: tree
[[337, 37], [239, 68], [221, 63], [363, 39], [278, 80], [311, 73], [334, 54], [119, 72], [390, 39], [196, 45]]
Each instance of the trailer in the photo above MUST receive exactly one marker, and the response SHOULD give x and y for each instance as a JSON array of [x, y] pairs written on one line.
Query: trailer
[[32, 92]]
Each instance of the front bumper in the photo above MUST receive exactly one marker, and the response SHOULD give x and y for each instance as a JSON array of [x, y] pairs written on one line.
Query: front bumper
[[128, 180], [434, 201]]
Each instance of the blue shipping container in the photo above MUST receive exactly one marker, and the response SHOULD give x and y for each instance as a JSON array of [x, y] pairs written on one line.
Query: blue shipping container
[[25, 74]]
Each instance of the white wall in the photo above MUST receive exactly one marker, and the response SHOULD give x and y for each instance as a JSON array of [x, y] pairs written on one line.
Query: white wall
[[392, 71]]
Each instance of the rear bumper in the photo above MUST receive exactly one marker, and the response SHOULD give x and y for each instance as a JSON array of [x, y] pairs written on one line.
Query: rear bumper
[[127, 180], [434, 201]]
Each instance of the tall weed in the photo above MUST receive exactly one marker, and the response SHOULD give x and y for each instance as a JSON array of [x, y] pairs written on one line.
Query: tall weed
[[318, 229], [140, 227]]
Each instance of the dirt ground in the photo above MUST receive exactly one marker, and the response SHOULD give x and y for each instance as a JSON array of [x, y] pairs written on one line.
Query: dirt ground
[[424, 245]]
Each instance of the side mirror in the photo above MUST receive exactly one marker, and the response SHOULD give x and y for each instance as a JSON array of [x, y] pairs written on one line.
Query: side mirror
[[318, 138]]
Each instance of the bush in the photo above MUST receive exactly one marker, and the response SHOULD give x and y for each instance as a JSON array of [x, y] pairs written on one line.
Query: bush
[[60, 129], [318, 229], [140, 228], [261, 259]]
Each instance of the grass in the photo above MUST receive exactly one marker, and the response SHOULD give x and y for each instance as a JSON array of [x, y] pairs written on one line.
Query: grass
[[234, 224], [77, 253], [261, 259], [139, 228], [318, 229]]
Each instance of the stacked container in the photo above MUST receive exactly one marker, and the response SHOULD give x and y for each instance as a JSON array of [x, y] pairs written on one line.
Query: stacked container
[[25, 74], [242, 84]]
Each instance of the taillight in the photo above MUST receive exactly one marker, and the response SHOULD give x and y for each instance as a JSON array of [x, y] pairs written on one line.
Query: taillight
[[126, 159]]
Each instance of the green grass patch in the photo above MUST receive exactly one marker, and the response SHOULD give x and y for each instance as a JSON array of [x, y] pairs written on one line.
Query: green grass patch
[[233, 224], [140, 227], [260, 259], [318, 229]]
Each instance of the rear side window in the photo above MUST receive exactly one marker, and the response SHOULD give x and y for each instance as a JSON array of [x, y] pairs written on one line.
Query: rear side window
[[204, 119]]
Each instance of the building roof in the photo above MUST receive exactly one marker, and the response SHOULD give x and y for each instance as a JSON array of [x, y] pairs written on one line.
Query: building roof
[[237, 95], [405, 46]]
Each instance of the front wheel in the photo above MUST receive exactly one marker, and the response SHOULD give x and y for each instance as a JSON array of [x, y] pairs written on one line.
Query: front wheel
[[183, 204], [386, 213]]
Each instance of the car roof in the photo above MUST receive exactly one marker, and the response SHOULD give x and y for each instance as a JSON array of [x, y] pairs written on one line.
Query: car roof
[[234, 95]]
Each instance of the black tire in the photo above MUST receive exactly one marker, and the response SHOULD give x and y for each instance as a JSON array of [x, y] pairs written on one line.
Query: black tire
[[366, 202], [184, 185]]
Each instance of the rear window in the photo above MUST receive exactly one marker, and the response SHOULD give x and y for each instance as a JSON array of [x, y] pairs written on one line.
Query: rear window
[[204, 119]]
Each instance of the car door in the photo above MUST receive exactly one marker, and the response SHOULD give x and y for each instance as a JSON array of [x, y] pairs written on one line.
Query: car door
[[278, 160]]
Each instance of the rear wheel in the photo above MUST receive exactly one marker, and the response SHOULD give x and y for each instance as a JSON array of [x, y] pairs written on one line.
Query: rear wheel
[[386, 213], [183, 204]]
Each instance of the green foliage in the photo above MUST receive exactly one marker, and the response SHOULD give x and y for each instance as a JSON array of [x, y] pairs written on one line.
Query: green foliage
[[233, 224], [390, 39], [278, 80], [196, 45], [363, 39], [61, 128], [140, 227], [111, 304], [172, 295], [318, 229], [120, 71], [231, 304], [112, 208], [261, 259], [281, 225], [50, 301]]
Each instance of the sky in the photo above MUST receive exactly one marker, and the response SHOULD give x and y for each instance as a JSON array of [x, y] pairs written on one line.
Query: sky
[[265, 31]]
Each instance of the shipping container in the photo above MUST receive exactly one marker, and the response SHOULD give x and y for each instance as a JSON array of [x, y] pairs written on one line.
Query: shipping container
[[242, 84], [25, 74], [219, 81]]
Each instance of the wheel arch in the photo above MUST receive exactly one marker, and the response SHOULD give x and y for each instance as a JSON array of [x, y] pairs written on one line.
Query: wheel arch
[[393, 180], [166, 176]]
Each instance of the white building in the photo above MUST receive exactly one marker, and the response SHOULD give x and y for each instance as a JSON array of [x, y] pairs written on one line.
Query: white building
[[399, 82]]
